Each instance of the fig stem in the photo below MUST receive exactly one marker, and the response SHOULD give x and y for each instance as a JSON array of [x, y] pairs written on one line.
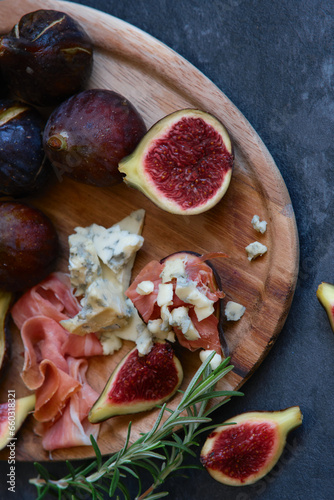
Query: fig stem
[[57, 142]]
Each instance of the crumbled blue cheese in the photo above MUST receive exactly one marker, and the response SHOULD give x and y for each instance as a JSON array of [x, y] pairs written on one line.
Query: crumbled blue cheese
[[179, 318], [145, 287], [259, 226], [155, 327], [234, 311], [216, 360], [110, 343], [173, 268], [255, 249], [187, 291], [144, 341], [165, 294]]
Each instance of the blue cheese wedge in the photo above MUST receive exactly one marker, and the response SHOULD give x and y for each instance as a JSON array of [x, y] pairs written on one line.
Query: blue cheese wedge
[[109, 263]]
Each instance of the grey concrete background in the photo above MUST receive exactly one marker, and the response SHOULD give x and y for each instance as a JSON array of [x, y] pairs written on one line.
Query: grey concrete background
[[275, 61]]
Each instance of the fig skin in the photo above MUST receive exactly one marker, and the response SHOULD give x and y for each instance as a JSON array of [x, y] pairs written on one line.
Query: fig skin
[[87, 135], [325, 294], [183, 164], [110, 403], [5, 338], [28, 246], [23, 406], [246, 450], [23, 166], [46, 57]]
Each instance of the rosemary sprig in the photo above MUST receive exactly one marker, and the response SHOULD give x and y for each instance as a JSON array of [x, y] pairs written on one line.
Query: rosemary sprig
[[160, 451]]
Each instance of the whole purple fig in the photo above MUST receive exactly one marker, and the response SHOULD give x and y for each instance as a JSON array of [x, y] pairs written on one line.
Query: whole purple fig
[[46, 57], [87, 136]]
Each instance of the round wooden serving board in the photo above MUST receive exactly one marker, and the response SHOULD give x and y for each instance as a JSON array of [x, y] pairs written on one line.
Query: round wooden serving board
[[158, 81]]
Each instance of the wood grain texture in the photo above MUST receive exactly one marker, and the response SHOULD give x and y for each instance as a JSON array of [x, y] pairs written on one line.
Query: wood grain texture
[[158, 81]]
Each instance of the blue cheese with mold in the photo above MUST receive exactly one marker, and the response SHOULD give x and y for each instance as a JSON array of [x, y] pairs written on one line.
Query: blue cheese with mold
[[101, 280]]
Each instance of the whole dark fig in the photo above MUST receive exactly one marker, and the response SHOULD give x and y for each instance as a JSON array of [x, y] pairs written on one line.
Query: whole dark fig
[[46, 57], [28, 246], [87, 135], [23, 166]]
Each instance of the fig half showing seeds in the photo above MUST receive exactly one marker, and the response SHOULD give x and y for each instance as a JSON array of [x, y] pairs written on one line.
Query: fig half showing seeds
[[183, 164], [46, 57], [139, 383], [87, 135], [246, 450], [325, 294]]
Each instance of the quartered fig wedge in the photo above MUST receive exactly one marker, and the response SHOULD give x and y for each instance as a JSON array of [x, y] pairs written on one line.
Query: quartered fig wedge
[[245, 451], [183, 163], [12, 415], [139, 383], [325, 294], [5, 301]]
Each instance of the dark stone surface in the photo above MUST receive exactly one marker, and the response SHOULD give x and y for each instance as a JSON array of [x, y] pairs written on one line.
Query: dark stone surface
[[274, 60]]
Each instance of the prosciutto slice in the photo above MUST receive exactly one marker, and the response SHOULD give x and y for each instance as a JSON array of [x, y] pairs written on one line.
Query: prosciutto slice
[[52, 297], [73, 428], [53, 364]]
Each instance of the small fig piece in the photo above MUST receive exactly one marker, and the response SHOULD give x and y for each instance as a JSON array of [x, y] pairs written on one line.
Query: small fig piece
[[23, 168], [325, 294], [46, 57], [90, 133], [245, 451], [28, 246], [183, 164], [12, 415], [5, 301], [139, 383]]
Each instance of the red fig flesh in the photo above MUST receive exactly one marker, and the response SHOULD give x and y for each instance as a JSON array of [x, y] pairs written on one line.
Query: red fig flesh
[[139, 383], [183, 163], [245, 451], [325, 294]]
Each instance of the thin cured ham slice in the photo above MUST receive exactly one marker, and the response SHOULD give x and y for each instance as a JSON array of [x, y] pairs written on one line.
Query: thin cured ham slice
[[43, 339], [63, 396], [53, 394], [82, 346], [52, 297], [73, 428], [145, 304]]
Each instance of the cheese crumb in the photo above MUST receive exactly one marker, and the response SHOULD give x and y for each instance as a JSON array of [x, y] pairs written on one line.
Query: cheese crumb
[[255, 249], [234, 311], [145, 287], [259, 226], [216, 360]]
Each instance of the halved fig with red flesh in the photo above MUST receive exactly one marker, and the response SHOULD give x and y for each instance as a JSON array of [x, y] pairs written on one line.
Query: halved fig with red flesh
[[245, 451], [183, 163], [139, 383], [193, 309]]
